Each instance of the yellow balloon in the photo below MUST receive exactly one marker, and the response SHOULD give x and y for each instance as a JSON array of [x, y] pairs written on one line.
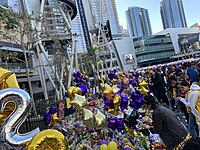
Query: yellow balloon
[[113, 111], [121, 75], [78, 102], [54, 119], [77, 90], [112, 146], [103, 147], [70, 91], [7, 79], [68, 101], [100, 119], [143, 83], [88, 118], [108, 91], [116, 102], [143, 90], [48, 139]]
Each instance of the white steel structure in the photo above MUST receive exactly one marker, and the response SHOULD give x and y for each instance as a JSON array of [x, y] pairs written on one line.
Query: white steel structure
[[106, 54], [53, 30]]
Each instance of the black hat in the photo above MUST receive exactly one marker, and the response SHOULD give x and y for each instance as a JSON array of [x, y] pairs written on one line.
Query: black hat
[[149, 99]]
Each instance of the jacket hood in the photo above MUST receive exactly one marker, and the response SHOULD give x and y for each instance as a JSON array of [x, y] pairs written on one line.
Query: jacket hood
[[194, 86]]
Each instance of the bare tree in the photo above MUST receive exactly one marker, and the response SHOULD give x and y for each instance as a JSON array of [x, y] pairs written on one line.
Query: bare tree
[[16, 28]]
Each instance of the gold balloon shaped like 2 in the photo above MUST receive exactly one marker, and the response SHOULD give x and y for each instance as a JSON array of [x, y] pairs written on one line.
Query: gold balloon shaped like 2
[[15, 105]]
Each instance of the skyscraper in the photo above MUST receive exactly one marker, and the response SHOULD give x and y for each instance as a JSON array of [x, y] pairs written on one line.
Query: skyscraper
[[84, 25], [17, 5], [80, 39], [11, 4], [106, 10], [172, 14], [138, 22], [89, 13]]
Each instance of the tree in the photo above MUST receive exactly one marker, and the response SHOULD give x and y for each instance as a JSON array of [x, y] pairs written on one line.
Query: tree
[[16, 28]]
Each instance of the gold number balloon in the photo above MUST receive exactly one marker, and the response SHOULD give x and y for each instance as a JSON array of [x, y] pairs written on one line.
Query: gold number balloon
[[9, 129]]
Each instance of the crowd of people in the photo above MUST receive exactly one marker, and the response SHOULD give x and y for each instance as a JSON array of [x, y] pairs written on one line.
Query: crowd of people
[[177, 87]]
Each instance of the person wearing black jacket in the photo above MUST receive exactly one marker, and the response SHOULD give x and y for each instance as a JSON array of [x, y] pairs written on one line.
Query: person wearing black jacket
[[159, 86], [171, 130]]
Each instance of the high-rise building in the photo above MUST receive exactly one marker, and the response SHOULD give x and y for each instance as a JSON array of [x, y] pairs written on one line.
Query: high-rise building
[[138, 22], [106, 10], [17, 5], [84, 24], [80, 41], [89, 14], [11, 4], [172, 14]]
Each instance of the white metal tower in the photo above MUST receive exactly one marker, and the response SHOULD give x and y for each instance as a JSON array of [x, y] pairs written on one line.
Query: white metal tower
[[53, 32]]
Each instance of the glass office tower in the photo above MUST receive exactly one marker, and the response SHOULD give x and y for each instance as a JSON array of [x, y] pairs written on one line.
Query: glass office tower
[[172, 14], [138, 22]]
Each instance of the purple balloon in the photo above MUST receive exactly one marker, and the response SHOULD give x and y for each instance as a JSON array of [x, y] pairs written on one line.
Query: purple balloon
[[135, 74], [74, 74], [47, 116], [133, 83], [66, 95], [52, 110], [112, 123], [124, 103], [104, 142], [108, 103], [83, 89], [120, 125], [78, 80], [120, 87], [78, 74], [111, 75], [135, 96], [135, 105], [115, 76], [139, 100]]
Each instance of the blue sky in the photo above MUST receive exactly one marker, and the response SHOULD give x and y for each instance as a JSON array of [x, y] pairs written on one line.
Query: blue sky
[[191, 8]]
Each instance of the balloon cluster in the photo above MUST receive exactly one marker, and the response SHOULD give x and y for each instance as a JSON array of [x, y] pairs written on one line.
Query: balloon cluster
[[125, 97], [91, 119], [80, 81], [51, 115], [114, 112], [110, 146], [115, 123]]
